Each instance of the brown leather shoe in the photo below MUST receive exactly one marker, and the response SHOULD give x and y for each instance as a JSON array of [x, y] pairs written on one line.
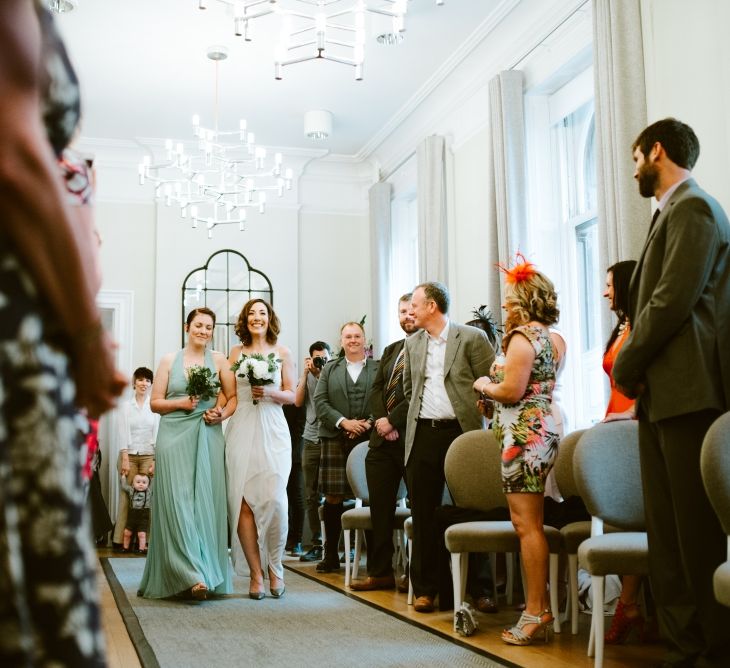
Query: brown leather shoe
[[373, 582], [403, 584], [486, 604], [423, 604]]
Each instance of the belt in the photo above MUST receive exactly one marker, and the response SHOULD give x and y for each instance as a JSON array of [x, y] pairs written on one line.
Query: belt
[[439, 424]]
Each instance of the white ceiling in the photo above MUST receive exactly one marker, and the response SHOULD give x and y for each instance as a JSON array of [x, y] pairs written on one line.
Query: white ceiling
[[144, 71]]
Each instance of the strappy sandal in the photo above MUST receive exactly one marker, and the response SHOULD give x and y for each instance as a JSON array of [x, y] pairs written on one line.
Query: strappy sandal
[[199, 591], [516, 636]]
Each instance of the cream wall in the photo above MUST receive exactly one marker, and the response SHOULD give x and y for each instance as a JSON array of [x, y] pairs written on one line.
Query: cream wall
[[687, 64], [128, 260]]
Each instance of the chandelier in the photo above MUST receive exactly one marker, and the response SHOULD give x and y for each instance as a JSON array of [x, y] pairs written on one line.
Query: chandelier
[[338, 36], [221, 178], [62, 6]]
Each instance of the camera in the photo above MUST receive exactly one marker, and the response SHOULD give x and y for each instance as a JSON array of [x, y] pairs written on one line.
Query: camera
[[319, 362]]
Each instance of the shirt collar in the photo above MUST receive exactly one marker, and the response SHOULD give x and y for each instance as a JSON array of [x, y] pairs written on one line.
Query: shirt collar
[[443, 336], [665, 198]]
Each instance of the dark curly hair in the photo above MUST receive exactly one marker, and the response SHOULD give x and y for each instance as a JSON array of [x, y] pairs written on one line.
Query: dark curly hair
[[241, 329]]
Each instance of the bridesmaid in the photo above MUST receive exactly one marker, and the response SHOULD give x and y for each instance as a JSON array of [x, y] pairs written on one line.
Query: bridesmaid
[[189, 551]]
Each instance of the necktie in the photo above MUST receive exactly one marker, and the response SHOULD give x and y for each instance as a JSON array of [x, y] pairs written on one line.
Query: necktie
[[653, 219], [395, 378]]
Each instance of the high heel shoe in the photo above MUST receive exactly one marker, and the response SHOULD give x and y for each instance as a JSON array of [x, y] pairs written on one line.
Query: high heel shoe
[[623, 625], [516, 636], [199, 591], [276, 592], [256, 595]]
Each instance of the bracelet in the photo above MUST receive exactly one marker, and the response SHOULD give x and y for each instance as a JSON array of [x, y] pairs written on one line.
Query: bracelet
[[484, 389]]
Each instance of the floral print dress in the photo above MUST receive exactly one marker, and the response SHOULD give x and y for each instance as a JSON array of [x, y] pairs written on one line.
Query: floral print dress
[[526, 430]]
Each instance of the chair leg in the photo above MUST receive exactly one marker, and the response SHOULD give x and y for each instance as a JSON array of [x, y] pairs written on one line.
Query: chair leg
[[493, 569], [554, 604], [410, 582], [358, 549], [346, 533], [573, 585], [459, 571], [598, 614], [509, 559]]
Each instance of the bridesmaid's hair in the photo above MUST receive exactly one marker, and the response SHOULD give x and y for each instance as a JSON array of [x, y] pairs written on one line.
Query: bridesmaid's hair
[[203, 310], [621, 273], [272, 332]]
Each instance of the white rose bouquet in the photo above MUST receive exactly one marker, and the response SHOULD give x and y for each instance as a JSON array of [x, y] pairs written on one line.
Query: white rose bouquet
[[258, 369]]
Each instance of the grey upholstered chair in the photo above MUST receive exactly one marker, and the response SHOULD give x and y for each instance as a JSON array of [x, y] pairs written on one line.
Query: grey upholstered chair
[[716, 476], [608, 477], [474, 476], [358, 518], [576, 532]]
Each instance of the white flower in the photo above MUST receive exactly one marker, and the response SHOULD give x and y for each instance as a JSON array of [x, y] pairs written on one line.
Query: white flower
[[260, 370]]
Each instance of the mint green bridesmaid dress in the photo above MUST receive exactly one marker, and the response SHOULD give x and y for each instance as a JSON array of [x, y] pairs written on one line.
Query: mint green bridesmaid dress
[[189, 537]]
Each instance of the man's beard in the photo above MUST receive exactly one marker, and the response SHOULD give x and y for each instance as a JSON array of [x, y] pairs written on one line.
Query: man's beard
[[408, 327], [648, 178]]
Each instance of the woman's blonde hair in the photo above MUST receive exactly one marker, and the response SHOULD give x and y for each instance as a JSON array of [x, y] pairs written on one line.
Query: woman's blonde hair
[[532, 298]]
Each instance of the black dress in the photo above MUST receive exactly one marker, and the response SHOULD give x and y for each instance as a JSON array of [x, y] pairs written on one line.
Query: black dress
[[49, 612]]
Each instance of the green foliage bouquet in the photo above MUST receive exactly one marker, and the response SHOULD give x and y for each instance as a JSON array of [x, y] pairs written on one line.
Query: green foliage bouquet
[[202, 383], [258, 369]]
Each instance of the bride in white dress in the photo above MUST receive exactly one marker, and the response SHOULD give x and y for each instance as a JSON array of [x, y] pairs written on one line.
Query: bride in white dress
[[258, 454]]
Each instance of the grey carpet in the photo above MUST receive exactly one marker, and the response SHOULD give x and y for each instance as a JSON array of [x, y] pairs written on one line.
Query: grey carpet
[[311, 625]]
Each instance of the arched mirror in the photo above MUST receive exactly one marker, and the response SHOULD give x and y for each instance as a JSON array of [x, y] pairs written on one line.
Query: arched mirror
[[224, 284]]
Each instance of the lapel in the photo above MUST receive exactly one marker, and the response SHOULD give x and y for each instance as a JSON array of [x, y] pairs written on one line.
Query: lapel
[[419, 355], [337, 377], [452, 347]]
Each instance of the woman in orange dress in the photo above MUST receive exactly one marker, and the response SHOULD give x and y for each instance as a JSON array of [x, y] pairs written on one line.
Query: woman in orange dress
[[628, 617]]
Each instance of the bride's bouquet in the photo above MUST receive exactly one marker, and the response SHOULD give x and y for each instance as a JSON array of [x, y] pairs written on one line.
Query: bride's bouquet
[[202, 383], [258, 369]]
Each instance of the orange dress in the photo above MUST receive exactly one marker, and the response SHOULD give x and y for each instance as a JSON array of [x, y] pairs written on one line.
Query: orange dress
[[617, 403]]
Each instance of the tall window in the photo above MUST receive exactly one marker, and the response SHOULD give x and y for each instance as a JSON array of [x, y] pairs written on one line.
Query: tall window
[[224, 284], [403, 254]]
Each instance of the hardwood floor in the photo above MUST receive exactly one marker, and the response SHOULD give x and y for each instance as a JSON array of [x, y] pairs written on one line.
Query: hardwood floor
[[564, 650]]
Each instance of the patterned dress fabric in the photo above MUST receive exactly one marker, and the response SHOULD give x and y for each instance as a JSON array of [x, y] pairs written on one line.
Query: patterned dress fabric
[[526, 430], [49, 613], [258, 462], [190, 531]]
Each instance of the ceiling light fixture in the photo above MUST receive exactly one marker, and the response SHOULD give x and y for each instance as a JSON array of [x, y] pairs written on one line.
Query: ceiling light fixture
[[318, 124], [62, 6], [216, 183], [338, 36]]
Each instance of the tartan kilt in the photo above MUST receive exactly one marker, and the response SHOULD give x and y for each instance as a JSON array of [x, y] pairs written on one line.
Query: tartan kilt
[[332, 471]]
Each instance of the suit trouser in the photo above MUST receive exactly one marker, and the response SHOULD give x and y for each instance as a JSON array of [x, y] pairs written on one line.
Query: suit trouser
[[384, 469], [311, 453], [425, 479], [295, 496], [686, 540], [137, 464]]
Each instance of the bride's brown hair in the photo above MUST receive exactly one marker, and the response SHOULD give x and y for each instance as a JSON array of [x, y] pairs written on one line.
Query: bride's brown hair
[[241, 329]]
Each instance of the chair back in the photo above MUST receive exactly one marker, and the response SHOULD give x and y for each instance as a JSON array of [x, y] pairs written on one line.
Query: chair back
[[474, 472], [607, 473], [564, 464], [355, 469], [715, 463]]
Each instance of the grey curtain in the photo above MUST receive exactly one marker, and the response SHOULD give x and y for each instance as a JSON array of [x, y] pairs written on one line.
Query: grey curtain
[[380, 234], [509, 181], [432, 210]]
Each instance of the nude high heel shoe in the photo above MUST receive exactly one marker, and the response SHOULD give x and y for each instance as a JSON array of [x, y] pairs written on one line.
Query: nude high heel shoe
[[516, 636]]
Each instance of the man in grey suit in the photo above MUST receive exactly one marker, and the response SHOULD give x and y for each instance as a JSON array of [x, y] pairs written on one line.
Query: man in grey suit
[[441, 364], [677, 362], [342, 400]]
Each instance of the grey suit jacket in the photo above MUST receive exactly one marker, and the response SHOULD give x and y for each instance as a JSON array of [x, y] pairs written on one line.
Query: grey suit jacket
[[330, 397], [679, 345], [469, 355]]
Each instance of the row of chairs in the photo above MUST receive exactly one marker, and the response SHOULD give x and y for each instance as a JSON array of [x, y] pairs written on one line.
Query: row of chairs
[[600, 465]]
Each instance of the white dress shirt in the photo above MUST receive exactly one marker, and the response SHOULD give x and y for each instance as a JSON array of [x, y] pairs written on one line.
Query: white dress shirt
[[138, 428], [435, 403]]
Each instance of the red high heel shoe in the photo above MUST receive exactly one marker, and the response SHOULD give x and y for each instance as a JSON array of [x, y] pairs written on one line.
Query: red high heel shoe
[[623, 625]]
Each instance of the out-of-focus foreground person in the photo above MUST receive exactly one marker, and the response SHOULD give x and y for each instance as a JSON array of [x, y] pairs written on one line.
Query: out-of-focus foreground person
[[54, 357]]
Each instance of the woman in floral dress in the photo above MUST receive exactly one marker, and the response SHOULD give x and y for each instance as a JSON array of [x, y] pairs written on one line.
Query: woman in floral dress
[[521, 384]]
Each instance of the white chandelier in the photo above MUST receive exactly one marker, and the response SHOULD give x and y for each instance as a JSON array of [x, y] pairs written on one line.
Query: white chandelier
[[338, 36], [62, 6], [224, 176]]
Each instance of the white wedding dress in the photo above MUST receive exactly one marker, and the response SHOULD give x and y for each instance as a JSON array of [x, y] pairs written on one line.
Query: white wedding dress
[[258, 462]]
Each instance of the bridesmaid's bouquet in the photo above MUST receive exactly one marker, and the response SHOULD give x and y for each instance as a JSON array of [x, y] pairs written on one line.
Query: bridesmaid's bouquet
[[258, 369], [202, 383]]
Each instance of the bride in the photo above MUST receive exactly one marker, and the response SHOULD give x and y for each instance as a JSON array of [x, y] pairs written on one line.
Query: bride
[[258, 452]]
